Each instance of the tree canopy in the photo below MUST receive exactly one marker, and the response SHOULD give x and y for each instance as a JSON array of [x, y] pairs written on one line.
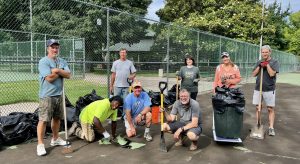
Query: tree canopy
[[237, 19]]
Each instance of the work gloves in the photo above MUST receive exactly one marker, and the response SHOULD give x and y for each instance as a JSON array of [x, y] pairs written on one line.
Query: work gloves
[[264, 64]]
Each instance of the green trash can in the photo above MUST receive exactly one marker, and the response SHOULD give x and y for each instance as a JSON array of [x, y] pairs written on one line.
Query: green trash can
[[229, 123]]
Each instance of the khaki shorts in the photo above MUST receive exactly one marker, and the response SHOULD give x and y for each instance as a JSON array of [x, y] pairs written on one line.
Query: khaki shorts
[[135, 124], [268, 97], [51, 107], [88, 132]]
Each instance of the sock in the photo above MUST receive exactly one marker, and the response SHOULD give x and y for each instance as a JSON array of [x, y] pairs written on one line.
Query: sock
[[147, 130]]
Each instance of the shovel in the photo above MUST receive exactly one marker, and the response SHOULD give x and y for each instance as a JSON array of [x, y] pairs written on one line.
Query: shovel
[[258, 131], [162, 86], [129, 81], [67, 148]]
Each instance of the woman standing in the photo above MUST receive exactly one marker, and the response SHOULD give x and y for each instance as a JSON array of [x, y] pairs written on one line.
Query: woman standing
[[189, 76], [227, 74]]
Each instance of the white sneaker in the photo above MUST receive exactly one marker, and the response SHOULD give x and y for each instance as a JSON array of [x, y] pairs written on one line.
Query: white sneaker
[[40, 150], [147, 136], [57, 142]]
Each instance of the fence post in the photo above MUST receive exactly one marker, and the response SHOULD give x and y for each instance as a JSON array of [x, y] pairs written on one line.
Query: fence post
[[31, 37], [197, 49], [107, 50], [220, 50], [83, 40], [168, 55]]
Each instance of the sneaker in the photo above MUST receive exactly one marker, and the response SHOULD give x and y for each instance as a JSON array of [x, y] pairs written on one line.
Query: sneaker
[[271, 132], [179, 142], [194, 146], [57, 142], [71, 131], [40, 150], [147, 136]]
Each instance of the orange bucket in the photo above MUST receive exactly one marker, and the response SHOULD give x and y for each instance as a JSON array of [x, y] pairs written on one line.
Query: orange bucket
[[155, 114]]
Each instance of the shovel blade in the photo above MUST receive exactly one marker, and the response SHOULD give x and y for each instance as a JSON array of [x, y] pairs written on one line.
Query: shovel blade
[[258, 132], [163, 146]]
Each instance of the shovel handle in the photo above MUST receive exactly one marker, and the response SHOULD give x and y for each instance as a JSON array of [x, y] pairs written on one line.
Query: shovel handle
[[162, 86], [129, 81]]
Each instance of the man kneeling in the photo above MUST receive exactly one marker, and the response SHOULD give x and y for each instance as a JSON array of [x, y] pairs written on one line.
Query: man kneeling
[[190, 120], [92, 117]]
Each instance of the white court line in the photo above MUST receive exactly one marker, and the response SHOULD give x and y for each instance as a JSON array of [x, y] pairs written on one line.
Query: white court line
[[266, 154]]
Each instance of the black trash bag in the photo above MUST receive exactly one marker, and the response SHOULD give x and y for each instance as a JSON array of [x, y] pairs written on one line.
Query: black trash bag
[[18, 127], [155, 98], [173, 89], [172, 97], [167, 101], [68, 103], [225, 97], [86, 100]]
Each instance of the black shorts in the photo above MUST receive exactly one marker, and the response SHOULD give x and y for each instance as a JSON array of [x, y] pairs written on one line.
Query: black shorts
[[178, 124]]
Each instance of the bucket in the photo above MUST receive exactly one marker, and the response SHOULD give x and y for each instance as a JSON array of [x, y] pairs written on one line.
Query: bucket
[[155, 114]]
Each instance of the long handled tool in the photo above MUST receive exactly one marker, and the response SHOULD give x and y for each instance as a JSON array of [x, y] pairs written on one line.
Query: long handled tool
[[129, 81], [177, 89], [258, 131], [162, 86], [67, 148]]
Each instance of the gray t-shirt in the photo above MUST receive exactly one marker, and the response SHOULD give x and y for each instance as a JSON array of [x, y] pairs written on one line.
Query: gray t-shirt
[[122, 69], [186, 112], [268, 81], [188, 75]]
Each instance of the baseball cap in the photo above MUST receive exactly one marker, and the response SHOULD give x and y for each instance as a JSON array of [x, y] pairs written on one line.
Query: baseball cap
[[224, 54], [50, 42], [136, 84]]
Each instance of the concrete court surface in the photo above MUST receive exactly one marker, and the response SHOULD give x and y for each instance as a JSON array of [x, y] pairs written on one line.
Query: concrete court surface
[[283, 148]]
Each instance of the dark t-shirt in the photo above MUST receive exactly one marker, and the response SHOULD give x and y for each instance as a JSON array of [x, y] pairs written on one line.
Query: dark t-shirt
[[268, 81], [188, 75]]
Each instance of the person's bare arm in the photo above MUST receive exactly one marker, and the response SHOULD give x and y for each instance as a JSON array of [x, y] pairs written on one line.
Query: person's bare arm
[[98, 126], [271, 72], [112, 81], [256, 71], [113, 128]]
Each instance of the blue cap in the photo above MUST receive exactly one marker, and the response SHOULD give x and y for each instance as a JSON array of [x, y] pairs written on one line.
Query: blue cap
[[50, 42]]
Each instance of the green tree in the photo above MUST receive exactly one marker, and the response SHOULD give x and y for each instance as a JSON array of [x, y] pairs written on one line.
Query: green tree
[[237, 19], [72, 18], [292, 33]]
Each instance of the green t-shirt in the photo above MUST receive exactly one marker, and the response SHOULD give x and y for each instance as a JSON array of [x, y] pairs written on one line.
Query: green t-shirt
[[100, 109], [188, 75]]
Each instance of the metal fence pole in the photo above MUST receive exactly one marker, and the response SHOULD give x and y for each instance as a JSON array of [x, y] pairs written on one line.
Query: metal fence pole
[[31, 36], [197, 49], [168, 53], [107, 52], [17, 57]]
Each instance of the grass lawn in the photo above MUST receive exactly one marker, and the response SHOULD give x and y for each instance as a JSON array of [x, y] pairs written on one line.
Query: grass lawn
[[27, 91]]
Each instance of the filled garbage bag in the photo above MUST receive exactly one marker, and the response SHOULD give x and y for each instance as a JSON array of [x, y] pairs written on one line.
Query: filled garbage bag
[[86, 100], [225, 97], [228, 106], [155, 98], [17, 127]]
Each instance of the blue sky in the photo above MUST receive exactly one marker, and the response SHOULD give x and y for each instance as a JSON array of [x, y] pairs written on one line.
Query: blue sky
[[157, 4]]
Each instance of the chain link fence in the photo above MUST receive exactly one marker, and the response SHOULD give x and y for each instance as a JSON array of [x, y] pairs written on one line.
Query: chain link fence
[[91, 36]]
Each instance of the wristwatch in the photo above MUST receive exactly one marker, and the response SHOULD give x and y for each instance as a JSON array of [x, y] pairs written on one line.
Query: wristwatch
[[182, 129]]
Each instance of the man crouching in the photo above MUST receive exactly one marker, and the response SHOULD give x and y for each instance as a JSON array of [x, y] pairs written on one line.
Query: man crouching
[[189, 124]]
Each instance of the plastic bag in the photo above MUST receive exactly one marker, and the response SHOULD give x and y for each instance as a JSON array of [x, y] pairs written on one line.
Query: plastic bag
[[18, 127], [224, 97]]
